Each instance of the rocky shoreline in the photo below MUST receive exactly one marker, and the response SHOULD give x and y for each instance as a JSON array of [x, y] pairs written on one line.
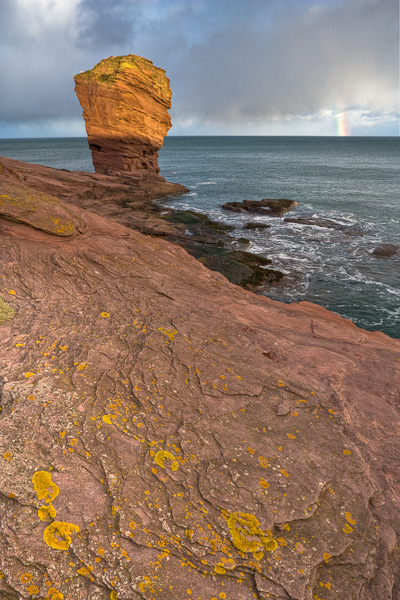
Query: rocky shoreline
[[134, 201], [164, 431]]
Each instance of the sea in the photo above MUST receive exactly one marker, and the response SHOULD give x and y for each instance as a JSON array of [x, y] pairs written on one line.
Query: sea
[[351, 182]]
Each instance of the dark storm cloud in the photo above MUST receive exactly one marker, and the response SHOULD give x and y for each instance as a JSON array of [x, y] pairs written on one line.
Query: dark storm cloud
[[229, 61], [343, 56], [105, 24]]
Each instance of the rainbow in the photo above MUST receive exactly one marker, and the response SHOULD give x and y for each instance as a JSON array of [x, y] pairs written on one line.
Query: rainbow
[[342, 124]]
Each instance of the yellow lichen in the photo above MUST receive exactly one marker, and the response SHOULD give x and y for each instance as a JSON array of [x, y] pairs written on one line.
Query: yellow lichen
[[163, 455], [6, 312], [347, 528], [54, 594], [58, 535], [220, 570], [170, 333], [33, 590], [107, 419], [346, 452], [47, 513], [105, 315], [113, 595], [85, 571], [349, 518], [264, 484], [45, 488], [29, 374], [7, 456], [326, 556], [247, 535]]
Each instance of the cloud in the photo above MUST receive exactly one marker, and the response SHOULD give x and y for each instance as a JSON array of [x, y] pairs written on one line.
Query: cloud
[[232, 64], [105, 24], [342, 56]]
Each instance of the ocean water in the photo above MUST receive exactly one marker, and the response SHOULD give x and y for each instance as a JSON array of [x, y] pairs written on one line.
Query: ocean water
[[354, 182]]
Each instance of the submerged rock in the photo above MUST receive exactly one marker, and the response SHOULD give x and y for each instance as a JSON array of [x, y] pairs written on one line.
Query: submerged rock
[[274, 208], [256, 225], [125, 102], [385, 250], [326, 223]]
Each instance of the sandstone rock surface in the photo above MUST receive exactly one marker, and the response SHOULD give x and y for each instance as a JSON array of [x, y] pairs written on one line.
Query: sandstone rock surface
[[125, 102], [165, 434], [127, 199]]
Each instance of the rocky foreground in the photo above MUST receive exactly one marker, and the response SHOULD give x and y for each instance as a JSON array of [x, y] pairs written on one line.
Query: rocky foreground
[[165, 434]]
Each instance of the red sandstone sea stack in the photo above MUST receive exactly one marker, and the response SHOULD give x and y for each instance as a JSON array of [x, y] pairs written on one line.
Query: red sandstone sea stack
[[125, 102]]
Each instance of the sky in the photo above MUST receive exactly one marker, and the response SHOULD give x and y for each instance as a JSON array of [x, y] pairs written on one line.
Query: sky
[[236, 67]]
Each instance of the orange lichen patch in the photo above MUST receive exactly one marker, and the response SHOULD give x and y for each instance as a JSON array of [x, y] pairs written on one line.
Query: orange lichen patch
[[163, 455], [7, 456], [219, 569], [105, 315], [284, 473], [47, 512], [54, 594], [347, 528], [263, 462], [349, 518], [26, 578], [291, 436], [247, 535], [264, 484], [58, 535], [281, 383], [33, 589], [328, 586], [85, 571], [282, 541], [170, 333], [251, 450], [113, 595], [12, 292], [346, 452], [326, 556], [45, 488], [29, 374]]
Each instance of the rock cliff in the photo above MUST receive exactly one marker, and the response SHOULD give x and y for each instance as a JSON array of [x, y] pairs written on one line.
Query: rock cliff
[[165, 434], [125, 102]]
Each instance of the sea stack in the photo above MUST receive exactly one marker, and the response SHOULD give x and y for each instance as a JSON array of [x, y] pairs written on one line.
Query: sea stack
[[125, 102]]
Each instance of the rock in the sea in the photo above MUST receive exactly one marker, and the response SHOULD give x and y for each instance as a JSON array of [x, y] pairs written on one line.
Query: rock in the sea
[[125, 102], [385, 250], [325, 223], [274, 208], [256, 225]]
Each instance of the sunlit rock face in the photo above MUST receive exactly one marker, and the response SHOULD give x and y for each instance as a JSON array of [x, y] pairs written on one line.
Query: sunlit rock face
[[125, 102]]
